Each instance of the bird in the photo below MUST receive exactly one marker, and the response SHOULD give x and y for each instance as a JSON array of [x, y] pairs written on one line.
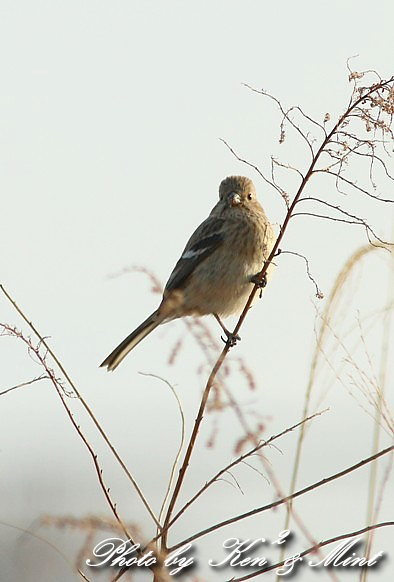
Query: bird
[[217, 268]]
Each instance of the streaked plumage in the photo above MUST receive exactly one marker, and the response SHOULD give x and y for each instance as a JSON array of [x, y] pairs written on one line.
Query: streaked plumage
[[213, 275]]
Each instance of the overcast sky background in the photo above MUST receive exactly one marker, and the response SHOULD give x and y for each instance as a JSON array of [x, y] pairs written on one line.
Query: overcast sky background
[[110, 117]]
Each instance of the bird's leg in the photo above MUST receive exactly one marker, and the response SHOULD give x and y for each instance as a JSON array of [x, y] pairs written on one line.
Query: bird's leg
[[231, 338], [260, 282]]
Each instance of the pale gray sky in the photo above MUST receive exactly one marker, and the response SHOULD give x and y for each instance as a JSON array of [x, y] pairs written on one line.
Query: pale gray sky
[[111, 114]]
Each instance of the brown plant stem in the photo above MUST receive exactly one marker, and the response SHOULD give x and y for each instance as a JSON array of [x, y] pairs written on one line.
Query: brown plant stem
[[284, 499], [222, 356], [50, 374], [314, 548], [238, 460], [84, 404]]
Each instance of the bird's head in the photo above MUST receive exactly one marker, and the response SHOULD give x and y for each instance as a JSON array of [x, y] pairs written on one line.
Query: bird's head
[[237, 191]]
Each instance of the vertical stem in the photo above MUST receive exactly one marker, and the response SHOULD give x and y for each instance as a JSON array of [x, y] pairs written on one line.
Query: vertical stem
[[225, 350], [378, 415]]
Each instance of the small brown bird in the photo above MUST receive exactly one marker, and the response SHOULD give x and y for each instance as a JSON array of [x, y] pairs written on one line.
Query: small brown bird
[[217, 268]]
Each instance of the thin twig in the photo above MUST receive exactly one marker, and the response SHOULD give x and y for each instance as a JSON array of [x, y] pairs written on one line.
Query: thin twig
[[42, 377], [171, 479], [314, 548], [271, 183], [283, 500], [226, 348], [318, 293], [285, 115], [84, 404], [374, 196], [50, 374], [238, 460], [358, 222], [46, 542]]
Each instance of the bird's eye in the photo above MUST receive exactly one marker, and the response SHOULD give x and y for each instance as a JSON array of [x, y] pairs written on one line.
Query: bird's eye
[[250, 196]]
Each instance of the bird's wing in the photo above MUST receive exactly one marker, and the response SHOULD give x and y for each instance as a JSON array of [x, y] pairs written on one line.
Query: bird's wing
[[205, 239]]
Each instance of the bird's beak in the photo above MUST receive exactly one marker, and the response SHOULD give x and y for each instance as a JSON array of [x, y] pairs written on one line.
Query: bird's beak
[[234, 199]]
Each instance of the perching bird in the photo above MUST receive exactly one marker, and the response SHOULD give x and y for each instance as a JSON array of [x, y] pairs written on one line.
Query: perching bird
[[216, 271]]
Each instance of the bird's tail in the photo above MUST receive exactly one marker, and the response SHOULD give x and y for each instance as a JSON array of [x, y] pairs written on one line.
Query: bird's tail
[[115, 357]]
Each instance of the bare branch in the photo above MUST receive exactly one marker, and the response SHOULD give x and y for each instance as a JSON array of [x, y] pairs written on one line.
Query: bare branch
[[239, 459], [271, 183], [42, 377], [182, 439], [41, 359], [358, 222], [286, 167], [319, 125], [284, 499], [315, 158], [84, 404], [318, 293], [285, 116], [316, 547], [374, 196]]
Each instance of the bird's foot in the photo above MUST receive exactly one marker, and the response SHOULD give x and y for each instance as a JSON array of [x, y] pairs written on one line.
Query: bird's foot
[[231, 338], [261, 282]]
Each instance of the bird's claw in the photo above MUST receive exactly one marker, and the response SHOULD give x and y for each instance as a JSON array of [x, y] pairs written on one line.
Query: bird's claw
[[260, 282], [231, 339]]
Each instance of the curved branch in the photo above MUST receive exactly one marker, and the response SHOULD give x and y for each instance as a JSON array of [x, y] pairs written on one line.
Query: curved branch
[[374, 196], [285, 115], [49, 373], [318, 293], [286, 167], [260, 276], [358, 222], [273, 184], [84, 405]]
